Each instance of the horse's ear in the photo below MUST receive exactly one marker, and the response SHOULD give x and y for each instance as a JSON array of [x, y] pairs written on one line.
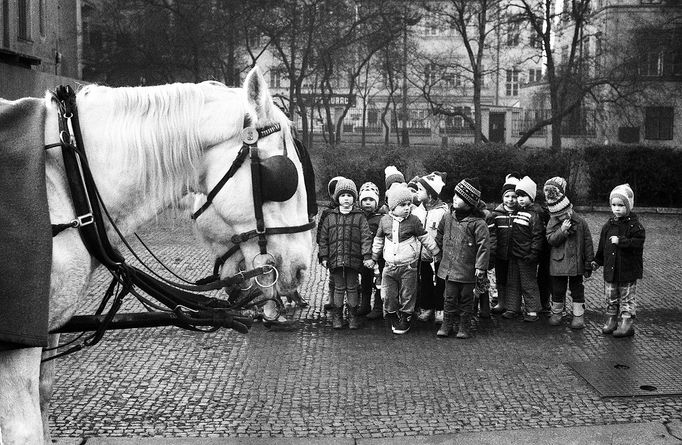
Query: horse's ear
[[258, 94]]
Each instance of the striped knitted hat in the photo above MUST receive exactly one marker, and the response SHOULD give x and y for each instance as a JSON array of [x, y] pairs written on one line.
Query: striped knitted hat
[[469, 190], [557, 202]]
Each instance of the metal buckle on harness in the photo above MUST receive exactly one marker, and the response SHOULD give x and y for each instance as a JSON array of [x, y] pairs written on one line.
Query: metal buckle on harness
[[83, 220]]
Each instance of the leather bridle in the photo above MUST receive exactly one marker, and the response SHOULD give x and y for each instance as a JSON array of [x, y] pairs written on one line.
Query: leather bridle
[[259, 178]]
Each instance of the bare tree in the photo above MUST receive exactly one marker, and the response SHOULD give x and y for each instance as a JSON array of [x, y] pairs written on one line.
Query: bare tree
[[571, 74], [159, 41], [474, 22]]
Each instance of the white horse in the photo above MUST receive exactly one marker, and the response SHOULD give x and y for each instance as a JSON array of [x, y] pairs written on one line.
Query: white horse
[[147, 147]]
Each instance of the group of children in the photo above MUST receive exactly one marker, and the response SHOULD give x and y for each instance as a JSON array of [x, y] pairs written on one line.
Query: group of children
[[428, 258]]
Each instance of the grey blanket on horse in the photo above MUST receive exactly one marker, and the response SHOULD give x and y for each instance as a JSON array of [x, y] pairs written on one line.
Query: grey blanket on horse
[[25, 230]]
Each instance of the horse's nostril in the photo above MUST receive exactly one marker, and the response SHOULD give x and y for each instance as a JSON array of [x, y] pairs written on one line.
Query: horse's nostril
[[299, 273]]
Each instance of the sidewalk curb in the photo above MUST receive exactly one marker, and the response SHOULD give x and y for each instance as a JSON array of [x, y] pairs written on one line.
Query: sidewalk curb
[[649, 433]]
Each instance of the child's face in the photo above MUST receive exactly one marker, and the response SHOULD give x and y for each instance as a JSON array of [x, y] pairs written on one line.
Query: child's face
[[459, 203], [509, 199], [422, 194], [346, 200], [618, 208], [523, 199], [368, 204], [402, 210], [566, 215]]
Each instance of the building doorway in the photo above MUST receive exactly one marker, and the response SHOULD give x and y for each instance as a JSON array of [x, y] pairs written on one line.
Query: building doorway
[[496, 128]]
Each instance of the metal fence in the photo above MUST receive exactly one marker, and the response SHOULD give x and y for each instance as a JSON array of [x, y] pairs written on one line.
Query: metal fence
[[581, 122]]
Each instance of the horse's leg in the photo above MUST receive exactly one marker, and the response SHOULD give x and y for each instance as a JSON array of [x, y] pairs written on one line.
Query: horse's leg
[[47, 373], [20, 421]]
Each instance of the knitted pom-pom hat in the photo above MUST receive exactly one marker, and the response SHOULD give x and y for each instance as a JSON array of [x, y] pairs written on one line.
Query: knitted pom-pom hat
[[397, 194], [369, 190], [557, 202], [392, 175], [510, 182], [433, 182], [331, 186], [528, 186], [625, 193]]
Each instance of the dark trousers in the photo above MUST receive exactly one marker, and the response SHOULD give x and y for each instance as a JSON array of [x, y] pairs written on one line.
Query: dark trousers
[[545, 284], [430, 295], [459, 297], [501, 272], [575, 283], [345, 284]]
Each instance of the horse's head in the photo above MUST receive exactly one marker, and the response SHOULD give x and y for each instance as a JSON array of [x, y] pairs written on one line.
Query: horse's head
[[255, 185]]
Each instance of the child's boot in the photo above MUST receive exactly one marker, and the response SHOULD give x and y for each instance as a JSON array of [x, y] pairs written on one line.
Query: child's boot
[[404, 321], [625, 327], [378, 309], [353, 318], [364, 304], [609, 324], [447, 325], [464, 326], [578, 321], [337, 318], [557, 313]]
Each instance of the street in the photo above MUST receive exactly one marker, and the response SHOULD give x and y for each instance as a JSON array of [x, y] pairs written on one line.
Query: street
[[317, 382]]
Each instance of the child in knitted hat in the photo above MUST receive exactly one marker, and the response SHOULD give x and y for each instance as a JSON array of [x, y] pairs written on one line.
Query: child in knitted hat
[[398, 238], [621, 251], [345, 245], [430, 211], [500, 227], [465, 241], [526, 244], [571, 253], [369, 203], [331, 187]]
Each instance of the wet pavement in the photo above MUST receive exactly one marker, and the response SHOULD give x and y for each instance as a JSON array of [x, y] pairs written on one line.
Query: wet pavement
[[316, 382]]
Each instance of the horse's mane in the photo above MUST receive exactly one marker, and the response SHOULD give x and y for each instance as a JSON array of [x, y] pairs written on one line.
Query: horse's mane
[[153, 132]]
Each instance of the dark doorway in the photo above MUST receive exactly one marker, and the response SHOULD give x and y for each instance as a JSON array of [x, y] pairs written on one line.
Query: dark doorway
[[496, 130]]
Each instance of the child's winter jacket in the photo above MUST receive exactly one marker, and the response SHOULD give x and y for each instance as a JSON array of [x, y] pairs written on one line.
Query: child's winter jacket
[[430, 216], [465, 245], [623, 262], [572, 253], [527, 235], [345, 240], [400, 239], [500, 228]]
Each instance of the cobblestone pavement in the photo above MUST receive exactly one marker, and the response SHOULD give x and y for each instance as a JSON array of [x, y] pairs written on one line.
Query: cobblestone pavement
[[316, 382]]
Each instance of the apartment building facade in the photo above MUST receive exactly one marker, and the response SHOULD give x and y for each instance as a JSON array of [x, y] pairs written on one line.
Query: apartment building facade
[[39, 46]]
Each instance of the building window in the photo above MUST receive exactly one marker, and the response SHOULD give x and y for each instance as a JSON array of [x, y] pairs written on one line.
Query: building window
[[534, 75], [41, 17], [658, 124], [24, 19], [276, 78], [5, 23], [535, 40], [512, 82], [431, 71], [513, 34]]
